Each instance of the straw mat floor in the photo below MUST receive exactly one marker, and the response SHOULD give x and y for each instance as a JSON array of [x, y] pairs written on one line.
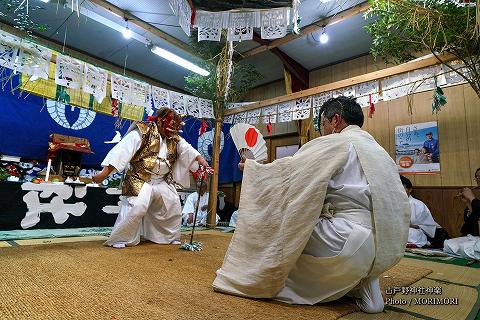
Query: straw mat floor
[[85, 280]]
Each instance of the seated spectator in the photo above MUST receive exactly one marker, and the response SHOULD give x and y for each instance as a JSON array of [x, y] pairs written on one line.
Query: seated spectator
[[471, 213], [188, 211], [423, 231], [233, 219], [224, 211]]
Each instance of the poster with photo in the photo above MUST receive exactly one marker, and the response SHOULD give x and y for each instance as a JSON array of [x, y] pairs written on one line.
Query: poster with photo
[[417, 148]]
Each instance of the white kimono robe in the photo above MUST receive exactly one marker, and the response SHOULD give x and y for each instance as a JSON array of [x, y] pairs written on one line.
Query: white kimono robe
[[299, 258], [422, 217], [341, 243], [155, 213], [189, 207]]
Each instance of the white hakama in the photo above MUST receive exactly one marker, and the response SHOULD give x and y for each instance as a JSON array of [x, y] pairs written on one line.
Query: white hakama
[[156, 213], [340, 252]]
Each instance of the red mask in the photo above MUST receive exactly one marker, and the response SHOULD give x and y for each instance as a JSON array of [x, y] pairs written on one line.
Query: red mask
[[171, 124]]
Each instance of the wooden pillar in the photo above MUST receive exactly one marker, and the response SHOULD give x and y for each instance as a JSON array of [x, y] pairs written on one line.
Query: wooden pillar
[[212, 199]]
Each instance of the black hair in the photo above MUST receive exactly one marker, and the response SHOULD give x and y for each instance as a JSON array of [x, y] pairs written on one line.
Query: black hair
[[346, 107], [406, 182], [477, 171]]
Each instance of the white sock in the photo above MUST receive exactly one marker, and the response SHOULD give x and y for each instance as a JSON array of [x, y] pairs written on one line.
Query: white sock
[[119, 245], [369, 296]]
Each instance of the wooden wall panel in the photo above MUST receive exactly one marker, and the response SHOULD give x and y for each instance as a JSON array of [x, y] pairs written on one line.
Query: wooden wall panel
[[378, 124], [472, 120], [452, 130]]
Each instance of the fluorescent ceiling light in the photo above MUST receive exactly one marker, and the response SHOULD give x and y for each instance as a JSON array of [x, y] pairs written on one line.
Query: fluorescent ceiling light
[[140, 38], [178, 60], [323, 38], [46, 1], [127, 33]]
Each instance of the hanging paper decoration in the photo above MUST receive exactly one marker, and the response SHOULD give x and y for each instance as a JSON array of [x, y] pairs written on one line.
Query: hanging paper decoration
[[120, 88], [240, 118], [320, 99], [177, 101], [161, 97], [365, 92], [69, 72], [423, 79], [272, 19], [229, 118], [301, 108], [285, 111], [274, 23], [269, 114], [346, 92], [140, 94], [240, 26], [206, 108], [35, 60], [95, 82], [192, 106], [185, 16], [209, 25], [395, 87], [253, 116], [8, 54], [452, 77]]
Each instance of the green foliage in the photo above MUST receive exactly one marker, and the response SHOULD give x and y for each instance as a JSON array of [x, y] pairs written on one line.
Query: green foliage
[[243, 77], [404, 29], [16, 12]]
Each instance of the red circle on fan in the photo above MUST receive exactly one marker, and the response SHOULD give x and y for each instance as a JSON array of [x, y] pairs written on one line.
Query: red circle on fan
[[251, 137]]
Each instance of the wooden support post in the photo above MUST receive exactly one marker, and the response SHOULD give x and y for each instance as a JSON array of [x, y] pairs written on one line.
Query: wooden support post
[[212, 199]]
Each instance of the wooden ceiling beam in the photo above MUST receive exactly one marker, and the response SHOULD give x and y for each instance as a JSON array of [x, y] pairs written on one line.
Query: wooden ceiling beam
[[295, 68], [341, 16]]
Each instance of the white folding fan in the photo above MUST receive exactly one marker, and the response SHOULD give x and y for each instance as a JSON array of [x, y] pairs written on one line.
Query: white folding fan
[[249, 141]]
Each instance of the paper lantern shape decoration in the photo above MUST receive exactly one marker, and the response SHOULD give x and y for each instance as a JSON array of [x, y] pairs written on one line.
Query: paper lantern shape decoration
[[249, 141]]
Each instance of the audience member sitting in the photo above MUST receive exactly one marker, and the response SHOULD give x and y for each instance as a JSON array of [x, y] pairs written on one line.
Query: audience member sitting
[[423, 231], [471, 214], [188, 210], [227, 210]]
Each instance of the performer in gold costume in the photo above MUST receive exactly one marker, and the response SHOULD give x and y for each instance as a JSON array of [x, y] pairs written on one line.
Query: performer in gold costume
[[155, 157]]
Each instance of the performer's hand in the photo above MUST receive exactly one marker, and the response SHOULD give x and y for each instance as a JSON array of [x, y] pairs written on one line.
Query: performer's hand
[[102, 175], [202, 162], [241, 164], [190, 218], [99, 177], [467, 195], [204, 208]]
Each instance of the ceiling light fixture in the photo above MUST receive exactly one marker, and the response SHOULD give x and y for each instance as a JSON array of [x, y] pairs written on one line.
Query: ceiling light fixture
[[323, 37], [140, 38], [177, 60], [127, 33], [46, 1]]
